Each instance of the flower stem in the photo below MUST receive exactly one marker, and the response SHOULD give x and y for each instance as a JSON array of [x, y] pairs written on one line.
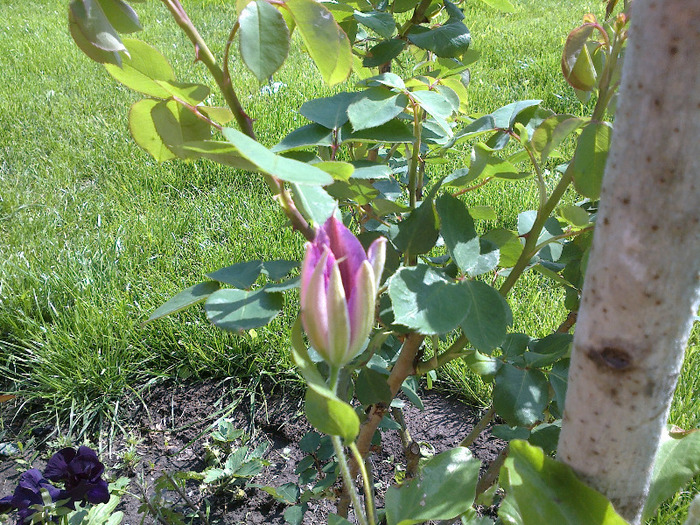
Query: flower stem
[[347, 479], [369, 496]]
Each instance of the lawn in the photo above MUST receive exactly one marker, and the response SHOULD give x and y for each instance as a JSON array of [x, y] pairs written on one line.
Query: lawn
[[94, 234]]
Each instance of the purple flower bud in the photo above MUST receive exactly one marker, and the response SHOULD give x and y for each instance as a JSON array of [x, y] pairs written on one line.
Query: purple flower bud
[[339, 283], [28, 493], [81, 473]]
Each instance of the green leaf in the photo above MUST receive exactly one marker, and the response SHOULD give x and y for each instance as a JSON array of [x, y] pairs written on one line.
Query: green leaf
[[394, 131], [483, 365], [264, 39], [546, 351], [546, 436], [330, 415], [330, 112], [122, 17], [382, 23], [541, 490], [360, 191], [488, 317], [391, 80], [551, 133], [334, 519], [309, 135], [143, 69], [383, 52], [425, 301], [374, 107], [436, 105], [371, 387], [314, 203], [401, 6], [444, 489], [418, 233], [574, 215], [457, 229], [267, 162], [94, 26], [589, 160], [244, 274], [144, 131], [505, 117], [177, 125], [325, 40], [502, 5], [677, 462], [91, 50], [509, 246], [558, 378], [238, 310], [484, 163], [294, 515], [448, 41], [186, 298], [215, 150], [520, 396]]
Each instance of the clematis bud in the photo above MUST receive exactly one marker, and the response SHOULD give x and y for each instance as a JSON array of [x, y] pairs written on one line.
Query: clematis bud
[[339, 284]]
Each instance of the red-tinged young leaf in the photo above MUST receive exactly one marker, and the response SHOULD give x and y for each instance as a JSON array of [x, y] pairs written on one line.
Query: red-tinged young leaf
[[264, 39], [576, 62]]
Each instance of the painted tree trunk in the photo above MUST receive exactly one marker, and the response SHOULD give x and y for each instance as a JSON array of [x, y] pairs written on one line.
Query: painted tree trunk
[[643, 279]]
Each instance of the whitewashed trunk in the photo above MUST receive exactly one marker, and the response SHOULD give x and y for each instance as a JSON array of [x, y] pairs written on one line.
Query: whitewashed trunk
[[643, 278]]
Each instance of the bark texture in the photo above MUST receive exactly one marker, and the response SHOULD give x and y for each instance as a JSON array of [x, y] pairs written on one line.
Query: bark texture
[[642, 282]]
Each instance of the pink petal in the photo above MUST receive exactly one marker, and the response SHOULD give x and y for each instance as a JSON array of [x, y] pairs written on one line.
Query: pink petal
[[376, 254], [338, 320], [314, 312], [346, 248], [361, 307]]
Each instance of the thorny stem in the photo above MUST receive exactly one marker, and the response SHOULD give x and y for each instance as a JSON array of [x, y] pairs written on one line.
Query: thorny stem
[[366, 483], [472, 188], [453, 352], [491, 474], [195, 111], [478, 428], [403, 368], [204, 54], [415, 157], [223, 81], [529, 251], [565, 235]]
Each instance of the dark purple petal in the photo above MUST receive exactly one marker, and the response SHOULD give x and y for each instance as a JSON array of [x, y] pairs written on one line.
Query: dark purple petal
[[98, 492], [5, 504], [57, 467]]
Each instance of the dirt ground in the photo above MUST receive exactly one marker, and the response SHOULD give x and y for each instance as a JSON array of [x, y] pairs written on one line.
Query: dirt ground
[[170, 426]]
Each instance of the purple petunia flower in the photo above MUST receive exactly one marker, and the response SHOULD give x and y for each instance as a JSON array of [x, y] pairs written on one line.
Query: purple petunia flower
[[28, 493], [339, 283], [81, 473]]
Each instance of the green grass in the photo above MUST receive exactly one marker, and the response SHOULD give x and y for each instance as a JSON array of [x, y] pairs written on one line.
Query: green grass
[[94, 234]]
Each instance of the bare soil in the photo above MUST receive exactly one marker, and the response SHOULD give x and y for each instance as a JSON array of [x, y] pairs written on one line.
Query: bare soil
[[171, 424]]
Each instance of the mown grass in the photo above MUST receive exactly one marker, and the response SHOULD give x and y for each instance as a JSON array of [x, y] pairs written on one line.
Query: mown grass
[[94, 234]]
